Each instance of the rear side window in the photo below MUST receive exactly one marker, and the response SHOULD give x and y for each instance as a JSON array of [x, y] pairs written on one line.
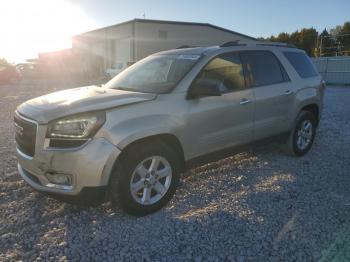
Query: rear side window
[[263, 68], [301, 64], [226, 70]]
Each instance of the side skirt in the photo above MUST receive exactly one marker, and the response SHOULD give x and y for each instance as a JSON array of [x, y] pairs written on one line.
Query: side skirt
[[221, 154]]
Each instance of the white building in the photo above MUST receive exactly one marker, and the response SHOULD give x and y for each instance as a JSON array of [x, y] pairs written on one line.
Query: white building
[[119, 45]]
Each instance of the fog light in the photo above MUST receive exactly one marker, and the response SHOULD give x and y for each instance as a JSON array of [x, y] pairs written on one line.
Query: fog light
[[59, 179]]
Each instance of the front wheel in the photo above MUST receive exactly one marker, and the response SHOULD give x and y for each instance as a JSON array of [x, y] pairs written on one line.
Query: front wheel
[[303, 134], [145, 178]]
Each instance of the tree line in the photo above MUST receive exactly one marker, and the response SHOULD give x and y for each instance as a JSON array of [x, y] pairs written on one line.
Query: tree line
[[335, 42]]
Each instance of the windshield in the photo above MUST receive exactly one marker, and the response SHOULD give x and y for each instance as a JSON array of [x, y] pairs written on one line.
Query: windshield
[[154, 74]]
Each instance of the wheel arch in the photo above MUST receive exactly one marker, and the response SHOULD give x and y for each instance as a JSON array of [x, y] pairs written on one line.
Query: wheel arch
[[312, 108], [166, 138]]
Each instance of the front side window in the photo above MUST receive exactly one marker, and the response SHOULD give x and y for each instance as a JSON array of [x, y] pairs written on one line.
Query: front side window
[[263, 68], [155, 74], [226, 71]]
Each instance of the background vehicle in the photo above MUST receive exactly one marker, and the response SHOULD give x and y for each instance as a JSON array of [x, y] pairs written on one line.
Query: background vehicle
[[135, 135], [27, 70]]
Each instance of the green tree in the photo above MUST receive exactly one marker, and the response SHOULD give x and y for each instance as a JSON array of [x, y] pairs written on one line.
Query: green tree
[[308, 40], [305, 39], [336, 41], [283, 37], [294, 38]]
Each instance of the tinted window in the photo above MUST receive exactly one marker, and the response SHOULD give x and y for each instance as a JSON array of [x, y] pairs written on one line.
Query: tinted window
[[154, 74], [263, 68], [301, 64], [226, 70]]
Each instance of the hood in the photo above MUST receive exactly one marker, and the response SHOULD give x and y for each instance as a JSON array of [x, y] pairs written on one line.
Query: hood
[[78, 100]]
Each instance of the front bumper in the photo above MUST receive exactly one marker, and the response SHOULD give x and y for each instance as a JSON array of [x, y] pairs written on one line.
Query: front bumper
[[89, 166]]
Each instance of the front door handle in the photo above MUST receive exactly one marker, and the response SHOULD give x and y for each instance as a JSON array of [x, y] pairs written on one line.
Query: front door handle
[[244, 101], [288, 92]]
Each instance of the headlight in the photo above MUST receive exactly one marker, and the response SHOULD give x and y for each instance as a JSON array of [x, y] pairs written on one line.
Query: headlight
[[81, 126]]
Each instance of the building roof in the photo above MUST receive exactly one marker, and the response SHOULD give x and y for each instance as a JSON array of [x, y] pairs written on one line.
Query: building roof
[[173, 22]]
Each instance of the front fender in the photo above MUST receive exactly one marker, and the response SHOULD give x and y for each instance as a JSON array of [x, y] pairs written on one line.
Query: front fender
[[125, 132]]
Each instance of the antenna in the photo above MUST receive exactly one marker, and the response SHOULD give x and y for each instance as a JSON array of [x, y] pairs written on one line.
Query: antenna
[[144, 15]]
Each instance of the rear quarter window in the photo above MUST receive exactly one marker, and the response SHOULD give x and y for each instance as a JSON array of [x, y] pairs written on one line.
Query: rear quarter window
[[301, 64]]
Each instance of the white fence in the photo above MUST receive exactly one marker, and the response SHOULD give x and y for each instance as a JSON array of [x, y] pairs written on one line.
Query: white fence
[[335, 69]]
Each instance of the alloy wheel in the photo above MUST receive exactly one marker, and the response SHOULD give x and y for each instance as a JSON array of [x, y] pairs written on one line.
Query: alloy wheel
[[304, 134], [151, 180]]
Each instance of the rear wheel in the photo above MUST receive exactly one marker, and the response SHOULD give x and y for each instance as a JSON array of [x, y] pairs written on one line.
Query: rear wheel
[[145, 178], [302, 136]]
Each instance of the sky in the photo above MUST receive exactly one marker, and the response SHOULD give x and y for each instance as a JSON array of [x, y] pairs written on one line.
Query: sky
[[28, 27]]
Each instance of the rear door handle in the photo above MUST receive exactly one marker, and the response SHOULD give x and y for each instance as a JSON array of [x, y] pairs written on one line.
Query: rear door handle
[[288, 92], [244, 101]]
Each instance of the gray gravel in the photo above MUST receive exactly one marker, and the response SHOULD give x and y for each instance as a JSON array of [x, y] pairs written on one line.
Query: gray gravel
[[255, 206]]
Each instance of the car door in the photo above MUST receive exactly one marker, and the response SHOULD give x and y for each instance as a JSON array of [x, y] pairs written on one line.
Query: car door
[[273, 92], [217, 122]]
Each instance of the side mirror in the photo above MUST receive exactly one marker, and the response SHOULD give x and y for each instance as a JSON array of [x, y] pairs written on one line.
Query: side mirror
[[203, 88]]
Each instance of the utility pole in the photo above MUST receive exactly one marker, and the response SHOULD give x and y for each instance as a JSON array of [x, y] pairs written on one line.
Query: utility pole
[[321, 42], [338, 48]]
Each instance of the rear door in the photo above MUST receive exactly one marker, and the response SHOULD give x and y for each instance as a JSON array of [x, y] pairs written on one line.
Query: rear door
[[218, 122], [273, 92]]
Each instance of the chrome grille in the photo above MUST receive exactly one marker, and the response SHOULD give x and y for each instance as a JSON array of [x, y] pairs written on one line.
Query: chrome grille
[[25, 135]]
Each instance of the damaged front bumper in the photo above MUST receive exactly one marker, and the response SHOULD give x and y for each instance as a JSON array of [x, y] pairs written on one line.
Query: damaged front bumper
[[88, 166]]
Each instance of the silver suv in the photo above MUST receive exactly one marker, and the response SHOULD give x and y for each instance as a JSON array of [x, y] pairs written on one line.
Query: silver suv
[[135, 135]]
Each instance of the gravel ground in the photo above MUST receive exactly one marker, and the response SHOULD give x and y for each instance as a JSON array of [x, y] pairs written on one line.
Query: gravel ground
[[255, 206]]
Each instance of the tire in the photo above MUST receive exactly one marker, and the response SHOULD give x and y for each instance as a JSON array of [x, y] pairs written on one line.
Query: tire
[[151, 196], [300, 140]]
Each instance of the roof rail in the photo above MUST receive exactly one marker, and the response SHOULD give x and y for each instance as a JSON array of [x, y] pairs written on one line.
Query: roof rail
[[232, 43], [279, 44]]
